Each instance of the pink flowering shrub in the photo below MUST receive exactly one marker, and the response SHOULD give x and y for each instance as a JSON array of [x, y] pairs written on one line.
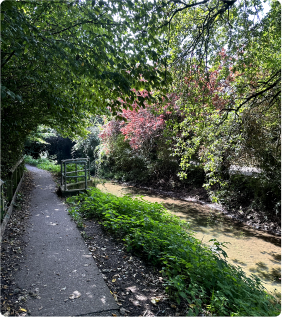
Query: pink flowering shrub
[[195, 98], [140, 127]]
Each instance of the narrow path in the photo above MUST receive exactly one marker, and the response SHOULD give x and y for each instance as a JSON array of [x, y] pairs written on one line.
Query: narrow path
[[58, 271]]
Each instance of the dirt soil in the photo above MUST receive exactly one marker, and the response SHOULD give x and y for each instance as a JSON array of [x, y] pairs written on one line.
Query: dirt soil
[[136, 285], [12, 252]]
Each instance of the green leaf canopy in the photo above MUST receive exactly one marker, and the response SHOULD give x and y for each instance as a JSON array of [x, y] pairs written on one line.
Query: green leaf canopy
[[65, 60]]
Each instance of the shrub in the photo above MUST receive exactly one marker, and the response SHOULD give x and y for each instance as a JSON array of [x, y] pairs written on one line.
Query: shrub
[[259, 191]]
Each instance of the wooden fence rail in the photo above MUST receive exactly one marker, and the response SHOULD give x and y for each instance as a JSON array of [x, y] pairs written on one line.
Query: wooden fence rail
[[9, 186]]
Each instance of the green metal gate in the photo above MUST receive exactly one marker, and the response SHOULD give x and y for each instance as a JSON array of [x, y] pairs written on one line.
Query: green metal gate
[[75, 175]]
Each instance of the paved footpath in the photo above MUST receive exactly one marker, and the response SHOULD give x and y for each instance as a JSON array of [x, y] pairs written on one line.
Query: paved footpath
[[58, 269]]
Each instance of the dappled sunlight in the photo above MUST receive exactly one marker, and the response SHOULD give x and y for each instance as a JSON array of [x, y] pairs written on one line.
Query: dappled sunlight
[[236, 261], [276, 257], [141, 297], [89, 295], [263, 271], [137, 296], [256, 252]]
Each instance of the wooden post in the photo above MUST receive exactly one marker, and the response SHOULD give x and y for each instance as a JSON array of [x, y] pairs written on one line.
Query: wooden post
[[61, 174], [76, 174], [85, 173], [65, 178]]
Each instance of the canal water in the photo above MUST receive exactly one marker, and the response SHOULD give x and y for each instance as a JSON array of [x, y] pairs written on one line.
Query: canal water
[[256, 252]]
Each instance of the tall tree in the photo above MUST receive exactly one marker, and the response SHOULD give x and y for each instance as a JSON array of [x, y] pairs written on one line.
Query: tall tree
[[231, 106]]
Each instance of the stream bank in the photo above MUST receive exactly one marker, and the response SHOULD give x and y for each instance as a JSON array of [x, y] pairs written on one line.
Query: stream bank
[[250, 218], [256, 252]]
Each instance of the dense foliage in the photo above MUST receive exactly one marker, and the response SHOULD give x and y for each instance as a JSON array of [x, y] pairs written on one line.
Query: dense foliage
[[217, 114], [46, 142], [134, 147], [65, 60], [193, 272], [231, 112]]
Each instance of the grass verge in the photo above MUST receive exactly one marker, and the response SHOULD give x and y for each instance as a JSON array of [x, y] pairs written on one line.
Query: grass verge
[[192, 271]]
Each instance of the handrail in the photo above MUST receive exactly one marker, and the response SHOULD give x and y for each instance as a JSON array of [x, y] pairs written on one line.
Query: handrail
[[16, 165], [77, 159], [74, 176], [79, 171]]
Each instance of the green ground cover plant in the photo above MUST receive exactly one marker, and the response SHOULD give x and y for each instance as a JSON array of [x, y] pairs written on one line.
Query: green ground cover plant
[[193, 272]]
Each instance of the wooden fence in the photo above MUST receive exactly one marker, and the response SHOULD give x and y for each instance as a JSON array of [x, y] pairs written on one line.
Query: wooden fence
[[9, 186]]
